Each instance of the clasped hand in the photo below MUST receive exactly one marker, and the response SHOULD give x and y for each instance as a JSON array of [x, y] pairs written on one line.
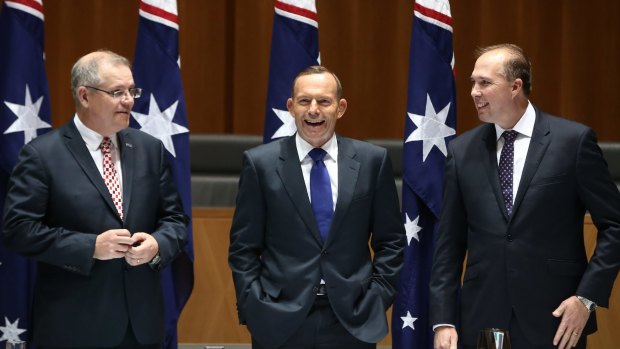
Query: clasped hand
[[137, 249]]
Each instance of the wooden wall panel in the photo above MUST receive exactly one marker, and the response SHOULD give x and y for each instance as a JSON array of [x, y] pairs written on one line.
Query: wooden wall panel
[[225, 47], [211, 317]]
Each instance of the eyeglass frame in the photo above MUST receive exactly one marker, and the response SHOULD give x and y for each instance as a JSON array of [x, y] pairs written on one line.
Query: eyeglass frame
[[118, 94]]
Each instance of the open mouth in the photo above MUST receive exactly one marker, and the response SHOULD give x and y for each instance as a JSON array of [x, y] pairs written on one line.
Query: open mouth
[[314, 123]]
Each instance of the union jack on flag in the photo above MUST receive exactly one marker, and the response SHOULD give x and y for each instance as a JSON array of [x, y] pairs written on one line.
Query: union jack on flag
[[294, 47], [429, 125]]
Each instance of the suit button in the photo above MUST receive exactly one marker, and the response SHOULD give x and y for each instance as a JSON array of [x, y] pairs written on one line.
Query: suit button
[[509, 237], [315, 289], [323, 253]]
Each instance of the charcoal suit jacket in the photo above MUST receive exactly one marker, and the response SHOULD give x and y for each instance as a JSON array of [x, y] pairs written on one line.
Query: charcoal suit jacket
[[531, 261], [58, 203], [277, 256]]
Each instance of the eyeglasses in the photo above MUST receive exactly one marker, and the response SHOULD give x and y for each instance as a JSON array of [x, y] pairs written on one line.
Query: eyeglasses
[[134, 92]]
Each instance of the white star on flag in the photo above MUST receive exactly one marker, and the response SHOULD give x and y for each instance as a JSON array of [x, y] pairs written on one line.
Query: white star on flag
[[412, 228], [288, 128], [28, 120], [159, 124], [408, 320], [10, 331], [432, 129]]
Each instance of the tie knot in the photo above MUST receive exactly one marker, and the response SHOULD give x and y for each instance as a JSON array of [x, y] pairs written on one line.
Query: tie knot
[[106, 145], [317, 154], [510, 136]]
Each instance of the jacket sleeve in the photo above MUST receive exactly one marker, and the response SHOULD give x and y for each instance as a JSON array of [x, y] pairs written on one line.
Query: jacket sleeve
[[388, 234], [602, 199], [449, 249], [25, 231], [247, 234]]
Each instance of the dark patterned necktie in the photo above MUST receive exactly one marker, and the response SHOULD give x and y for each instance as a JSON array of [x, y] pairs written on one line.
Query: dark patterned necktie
[[506, 167], [109, 175], [321, 192]]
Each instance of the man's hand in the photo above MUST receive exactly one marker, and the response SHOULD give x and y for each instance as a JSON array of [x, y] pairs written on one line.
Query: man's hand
[[445, 337], [144, 248], [112, 244], [574, 317]]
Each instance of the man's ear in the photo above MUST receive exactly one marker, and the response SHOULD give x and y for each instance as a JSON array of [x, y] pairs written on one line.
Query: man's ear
[[83, 96], [342, 107], [517, 86], [289, 105]]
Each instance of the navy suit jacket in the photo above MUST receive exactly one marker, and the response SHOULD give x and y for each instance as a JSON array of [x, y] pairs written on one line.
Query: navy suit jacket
[[56, 205], [276, 254], [530, 262]]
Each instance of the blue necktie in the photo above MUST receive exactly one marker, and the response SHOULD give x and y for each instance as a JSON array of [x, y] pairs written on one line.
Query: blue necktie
[[321, 192], [506, 167]]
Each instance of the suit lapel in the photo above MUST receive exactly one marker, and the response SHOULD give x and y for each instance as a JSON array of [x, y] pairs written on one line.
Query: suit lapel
[[127, 163], [536, 151], [289, 170], [76, 146], [348, 171], [489, 154]]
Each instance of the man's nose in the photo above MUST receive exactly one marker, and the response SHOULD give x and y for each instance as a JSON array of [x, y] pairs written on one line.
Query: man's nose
[[314, 106], [475, 91]]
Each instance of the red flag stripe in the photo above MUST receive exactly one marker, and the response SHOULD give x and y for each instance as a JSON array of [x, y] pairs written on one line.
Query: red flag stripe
[[297, 10], [156, 11], [29, 3], [433, 14]]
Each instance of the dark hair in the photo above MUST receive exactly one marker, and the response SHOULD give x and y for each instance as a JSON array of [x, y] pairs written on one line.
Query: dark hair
[[518, 66], [318, 69]]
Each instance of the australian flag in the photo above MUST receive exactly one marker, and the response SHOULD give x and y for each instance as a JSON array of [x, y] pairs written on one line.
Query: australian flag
[[161, 112], [294, 47], [24, 114], [429, 125]]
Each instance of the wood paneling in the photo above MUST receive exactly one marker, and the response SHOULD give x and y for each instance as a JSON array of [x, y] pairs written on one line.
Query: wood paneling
[[210, 316], [225, 47]]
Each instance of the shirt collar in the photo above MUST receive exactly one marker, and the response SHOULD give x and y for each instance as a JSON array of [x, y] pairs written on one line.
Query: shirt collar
[[303, 147], [90, 137], [525, 125]]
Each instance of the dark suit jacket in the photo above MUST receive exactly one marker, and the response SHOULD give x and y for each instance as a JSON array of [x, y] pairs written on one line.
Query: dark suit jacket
[[56, 205], [530, 262], [276, 254]]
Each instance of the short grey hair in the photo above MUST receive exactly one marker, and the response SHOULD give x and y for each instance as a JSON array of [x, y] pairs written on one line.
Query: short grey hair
[[85, 71]]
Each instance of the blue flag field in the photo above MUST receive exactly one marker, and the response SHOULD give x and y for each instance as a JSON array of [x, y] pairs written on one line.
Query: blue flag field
[[161, 112], [24, 114], [429, 125], [294, 47]]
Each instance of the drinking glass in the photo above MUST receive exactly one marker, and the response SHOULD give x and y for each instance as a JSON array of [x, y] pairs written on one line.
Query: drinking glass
[[493, 338], [15, 344]]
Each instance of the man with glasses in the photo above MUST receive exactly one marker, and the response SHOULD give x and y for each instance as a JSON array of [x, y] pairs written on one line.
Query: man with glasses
[[95, 204]]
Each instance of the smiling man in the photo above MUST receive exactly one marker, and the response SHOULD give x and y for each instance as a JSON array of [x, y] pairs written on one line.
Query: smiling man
[[516, 191], [94, 203], [307, 208]]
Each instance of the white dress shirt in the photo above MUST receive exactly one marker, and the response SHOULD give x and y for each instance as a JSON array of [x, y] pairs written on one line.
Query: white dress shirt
[[330, 161], [93, 142], [525, 128]]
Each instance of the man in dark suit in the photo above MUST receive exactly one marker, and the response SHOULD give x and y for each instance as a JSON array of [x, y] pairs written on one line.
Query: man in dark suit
[[301, 263], [516, 191], [95, 204]]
